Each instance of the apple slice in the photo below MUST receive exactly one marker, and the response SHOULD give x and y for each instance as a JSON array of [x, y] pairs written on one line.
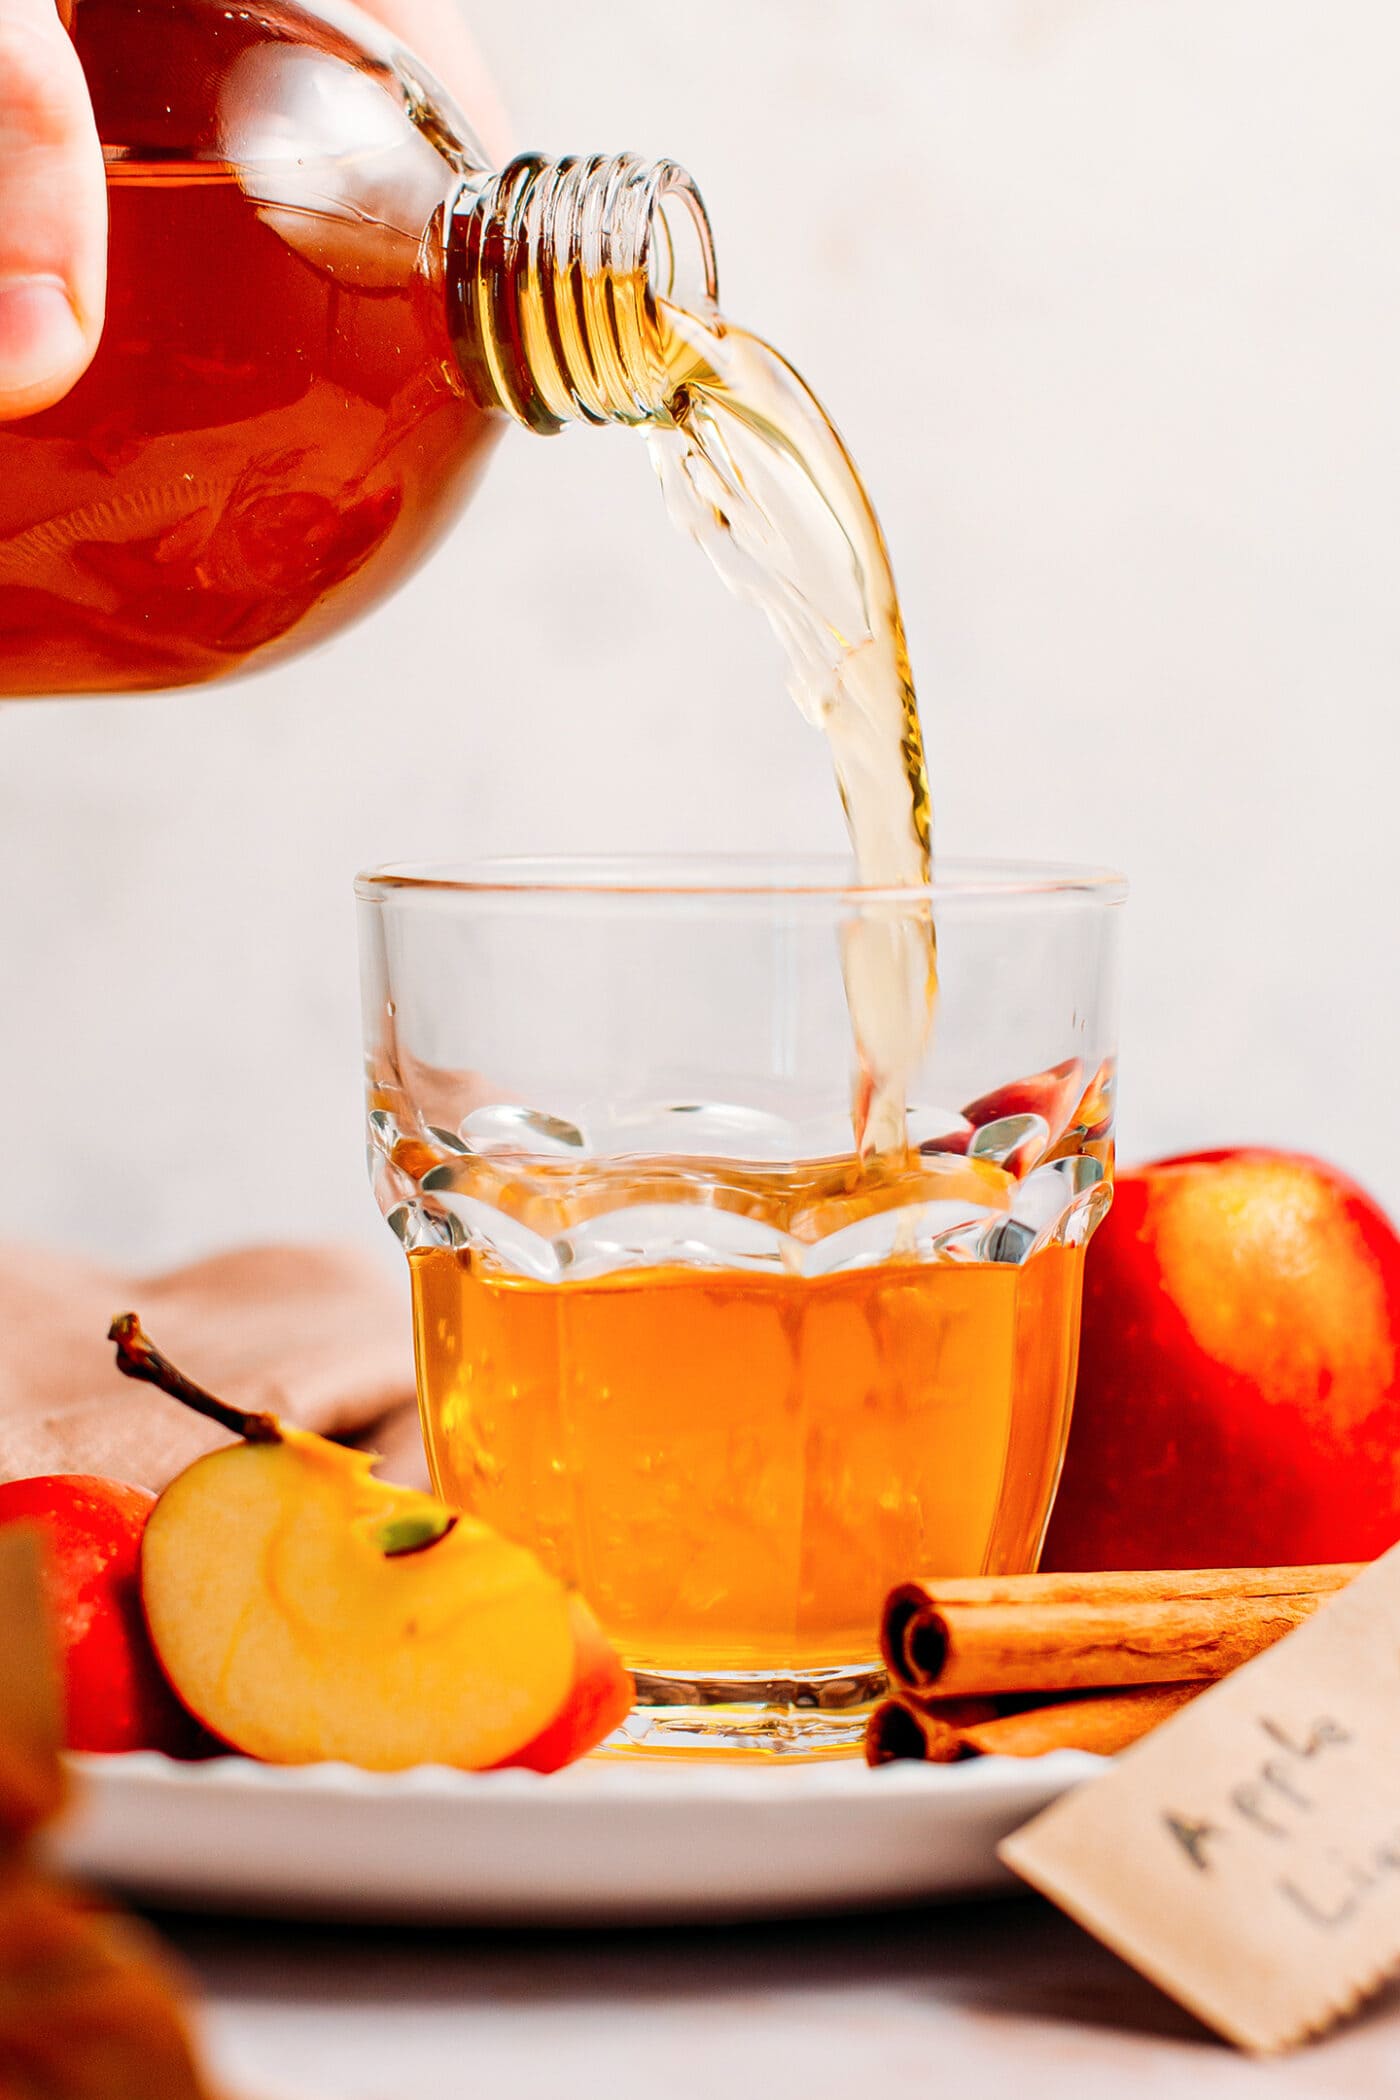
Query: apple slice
[[304, 1610], [599, 1700]]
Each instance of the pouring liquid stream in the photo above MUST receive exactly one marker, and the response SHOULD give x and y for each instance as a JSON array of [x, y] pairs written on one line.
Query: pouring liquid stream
[[753, 470]]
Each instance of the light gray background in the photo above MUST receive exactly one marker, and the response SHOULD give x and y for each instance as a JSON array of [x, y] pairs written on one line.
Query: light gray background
[[1106, 295]]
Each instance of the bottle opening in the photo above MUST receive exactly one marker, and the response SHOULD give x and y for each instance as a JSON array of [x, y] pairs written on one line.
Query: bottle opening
[[556, 272]]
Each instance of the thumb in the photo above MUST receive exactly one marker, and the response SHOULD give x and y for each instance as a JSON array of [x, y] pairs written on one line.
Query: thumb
[[53, 211]]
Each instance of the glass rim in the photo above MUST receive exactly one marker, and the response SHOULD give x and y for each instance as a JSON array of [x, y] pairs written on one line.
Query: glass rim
[[828, 878]]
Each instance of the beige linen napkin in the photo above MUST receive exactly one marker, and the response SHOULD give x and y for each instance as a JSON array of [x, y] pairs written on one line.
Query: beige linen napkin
[[318, 1335]]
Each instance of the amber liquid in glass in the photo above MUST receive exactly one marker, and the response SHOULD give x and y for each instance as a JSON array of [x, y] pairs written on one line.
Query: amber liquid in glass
[[736, 1466]]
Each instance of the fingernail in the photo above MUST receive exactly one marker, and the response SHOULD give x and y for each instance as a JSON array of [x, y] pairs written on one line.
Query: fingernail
[[39, 334]]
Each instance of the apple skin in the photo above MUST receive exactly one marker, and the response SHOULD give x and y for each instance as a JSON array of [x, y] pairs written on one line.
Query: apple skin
[[1238, 1401], [1052, 1094], [116, 1695], [599, 1699]]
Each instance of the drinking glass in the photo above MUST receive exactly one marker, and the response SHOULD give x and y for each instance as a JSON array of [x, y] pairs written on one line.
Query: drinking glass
[[728, 1377]]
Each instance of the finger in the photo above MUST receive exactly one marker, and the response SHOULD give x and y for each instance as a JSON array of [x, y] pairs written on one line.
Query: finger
[[53, 211], [437, 31]]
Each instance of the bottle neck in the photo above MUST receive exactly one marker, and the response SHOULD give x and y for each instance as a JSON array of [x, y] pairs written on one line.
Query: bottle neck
[[555, 271]]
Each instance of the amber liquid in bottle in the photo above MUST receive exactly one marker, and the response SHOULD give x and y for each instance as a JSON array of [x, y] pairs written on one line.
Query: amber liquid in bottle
[[275, 428]]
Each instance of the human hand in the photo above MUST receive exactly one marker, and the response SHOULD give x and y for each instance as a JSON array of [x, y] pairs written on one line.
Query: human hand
[[53, 199]]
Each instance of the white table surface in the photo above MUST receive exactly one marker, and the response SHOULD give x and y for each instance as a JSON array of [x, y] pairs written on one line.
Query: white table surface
[[974, 2002]]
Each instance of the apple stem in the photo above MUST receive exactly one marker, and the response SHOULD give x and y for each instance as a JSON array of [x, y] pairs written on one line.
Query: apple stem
[[138, 1357]]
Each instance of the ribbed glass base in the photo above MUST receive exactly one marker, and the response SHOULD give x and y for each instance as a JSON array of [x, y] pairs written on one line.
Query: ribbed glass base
[[747, 1714]]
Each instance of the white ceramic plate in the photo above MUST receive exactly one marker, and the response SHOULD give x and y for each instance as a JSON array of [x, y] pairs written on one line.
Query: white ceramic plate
[[609, 1842]]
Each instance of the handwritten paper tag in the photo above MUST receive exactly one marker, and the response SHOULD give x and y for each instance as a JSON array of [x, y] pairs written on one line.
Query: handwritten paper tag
[[1246, 1855]]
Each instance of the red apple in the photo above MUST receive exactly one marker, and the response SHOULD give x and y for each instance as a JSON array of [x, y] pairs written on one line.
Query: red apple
[[1239, 1376], [599, 1700], [116, 1695], [1052, 1094]]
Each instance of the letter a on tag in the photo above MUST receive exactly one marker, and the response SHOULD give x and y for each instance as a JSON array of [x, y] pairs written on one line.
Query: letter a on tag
[[1246, 1855]]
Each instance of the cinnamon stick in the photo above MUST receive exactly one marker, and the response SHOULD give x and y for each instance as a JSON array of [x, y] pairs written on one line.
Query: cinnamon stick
[[897, 1730], [1045, 1633], [1101, 1721], [929, 1729]]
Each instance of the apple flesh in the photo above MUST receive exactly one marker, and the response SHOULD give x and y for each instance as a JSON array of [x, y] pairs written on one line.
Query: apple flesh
[[115, 1696], [1238, 1401], [305, 1610], [599, 1700]]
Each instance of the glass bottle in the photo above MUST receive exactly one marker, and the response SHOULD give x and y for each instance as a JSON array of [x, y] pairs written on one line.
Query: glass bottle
[[324, 306]]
